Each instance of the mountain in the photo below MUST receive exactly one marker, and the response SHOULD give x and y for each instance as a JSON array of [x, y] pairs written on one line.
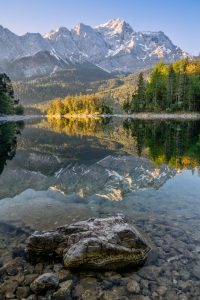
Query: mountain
[[113, 47]]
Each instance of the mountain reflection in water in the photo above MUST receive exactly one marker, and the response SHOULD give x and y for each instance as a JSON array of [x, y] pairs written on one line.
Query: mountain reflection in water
[[113, 177]]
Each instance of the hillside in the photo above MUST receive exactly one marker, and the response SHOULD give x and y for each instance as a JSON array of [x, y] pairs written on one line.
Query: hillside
[[40, 92]]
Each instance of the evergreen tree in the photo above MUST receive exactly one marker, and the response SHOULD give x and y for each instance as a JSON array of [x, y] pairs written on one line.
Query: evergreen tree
[[126, 104], [172, 88], [140, 91], [6, 95], [7, 102]]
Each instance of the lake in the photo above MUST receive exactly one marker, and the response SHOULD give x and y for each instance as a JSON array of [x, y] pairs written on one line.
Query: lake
[[61, 171]]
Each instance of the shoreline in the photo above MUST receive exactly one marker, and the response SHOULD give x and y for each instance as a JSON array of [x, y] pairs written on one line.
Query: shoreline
[[16, 118], [133, 116], [146, 116]]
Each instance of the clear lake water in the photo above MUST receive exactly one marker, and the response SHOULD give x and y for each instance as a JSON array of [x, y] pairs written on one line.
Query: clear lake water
[[56, 172]]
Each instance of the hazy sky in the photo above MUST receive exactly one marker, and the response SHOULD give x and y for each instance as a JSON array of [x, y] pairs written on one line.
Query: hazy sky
[[179, 19]]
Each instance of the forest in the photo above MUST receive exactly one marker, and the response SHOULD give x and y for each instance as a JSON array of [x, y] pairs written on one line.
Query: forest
[[173, 143], [173, 87], [87, 104], [64, 82], [37, 94]]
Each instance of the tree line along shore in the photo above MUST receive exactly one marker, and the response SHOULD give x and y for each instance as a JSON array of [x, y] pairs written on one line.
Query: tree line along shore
[[171, 88], [87, 104]]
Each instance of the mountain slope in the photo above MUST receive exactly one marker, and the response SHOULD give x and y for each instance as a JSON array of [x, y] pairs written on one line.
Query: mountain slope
[[85, 78], [114, 47]]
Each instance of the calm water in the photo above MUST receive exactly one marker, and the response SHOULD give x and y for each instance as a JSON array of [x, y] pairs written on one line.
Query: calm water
[[55, 172]]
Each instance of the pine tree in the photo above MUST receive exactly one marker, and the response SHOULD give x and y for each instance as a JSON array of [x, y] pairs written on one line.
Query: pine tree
[[126, 104], [6, 95], [59, 107], [140, 92], [170, 87]]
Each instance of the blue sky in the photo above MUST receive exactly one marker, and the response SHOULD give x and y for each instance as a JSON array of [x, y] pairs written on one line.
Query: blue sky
[[179, 19]]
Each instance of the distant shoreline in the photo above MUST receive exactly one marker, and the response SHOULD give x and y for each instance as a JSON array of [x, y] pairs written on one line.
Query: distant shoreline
[[147, 116], [134, 116], [16, 118]]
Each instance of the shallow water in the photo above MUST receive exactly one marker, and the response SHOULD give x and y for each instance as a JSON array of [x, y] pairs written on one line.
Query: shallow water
[[63, 173]]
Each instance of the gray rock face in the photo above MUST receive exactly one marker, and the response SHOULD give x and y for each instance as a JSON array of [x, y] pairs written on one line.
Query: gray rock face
[[90, 42], [62, 42], [109, 243], [113, 46], [14, 47]]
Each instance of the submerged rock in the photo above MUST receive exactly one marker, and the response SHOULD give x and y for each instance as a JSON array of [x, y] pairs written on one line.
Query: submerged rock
[[109, 243], [13, 267], [8, 287], [64, 292], [44, 282], [133, 287], [22, 292]]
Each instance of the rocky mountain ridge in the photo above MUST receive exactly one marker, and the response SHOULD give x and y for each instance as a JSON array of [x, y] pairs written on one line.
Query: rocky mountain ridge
[[113, 47]]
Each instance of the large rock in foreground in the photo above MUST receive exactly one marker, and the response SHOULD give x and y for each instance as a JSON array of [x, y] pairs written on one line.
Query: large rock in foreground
[[109, 243]]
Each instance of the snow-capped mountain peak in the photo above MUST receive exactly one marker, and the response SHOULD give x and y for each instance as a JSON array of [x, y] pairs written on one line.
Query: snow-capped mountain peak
[[115, 27], [113, 46], [54, 34]]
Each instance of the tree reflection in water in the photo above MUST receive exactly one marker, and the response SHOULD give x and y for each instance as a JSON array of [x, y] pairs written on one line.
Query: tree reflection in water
[[8, 142], [79, 126], [172, 142]]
